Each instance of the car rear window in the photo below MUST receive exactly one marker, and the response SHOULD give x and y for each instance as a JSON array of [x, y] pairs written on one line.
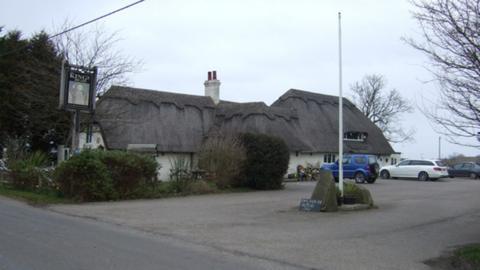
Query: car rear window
[[372, 160], [426, 163], [422, 163], [440, 163], [360, 160]]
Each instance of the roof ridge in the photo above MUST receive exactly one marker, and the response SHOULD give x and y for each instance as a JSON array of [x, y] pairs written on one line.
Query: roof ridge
[[129, 88]]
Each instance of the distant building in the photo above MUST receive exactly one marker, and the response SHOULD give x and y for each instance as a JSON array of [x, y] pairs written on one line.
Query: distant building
[[175, 125]]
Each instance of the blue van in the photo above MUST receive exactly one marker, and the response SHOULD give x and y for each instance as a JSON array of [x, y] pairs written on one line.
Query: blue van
[[362, 168]]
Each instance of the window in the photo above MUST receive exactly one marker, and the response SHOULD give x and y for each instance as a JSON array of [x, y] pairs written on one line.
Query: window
[[422, 163], [440, 163], [346, 160], [404, 163], [355, 136], [372, 160], [394, 161], [468, 166], [329, 158], [427, 163], [360, 160], [458, 166]]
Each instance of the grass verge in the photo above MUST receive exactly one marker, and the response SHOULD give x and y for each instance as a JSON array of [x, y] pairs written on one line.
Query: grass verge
[[160, 191], [32, 197], [468, 257], [462, 258]]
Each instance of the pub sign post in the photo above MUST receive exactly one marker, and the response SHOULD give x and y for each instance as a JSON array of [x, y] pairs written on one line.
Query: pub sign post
[[77, 94]]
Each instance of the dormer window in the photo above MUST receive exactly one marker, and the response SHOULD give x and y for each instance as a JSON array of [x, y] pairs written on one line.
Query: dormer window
[[355, 136]]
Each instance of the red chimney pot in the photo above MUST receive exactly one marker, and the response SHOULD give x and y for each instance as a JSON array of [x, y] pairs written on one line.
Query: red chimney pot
[[209, 75]]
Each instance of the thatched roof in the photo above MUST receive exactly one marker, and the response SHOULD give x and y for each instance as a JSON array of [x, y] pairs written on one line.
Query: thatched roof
[[318, 118], [174, 122], [179, 123], [257, 117]]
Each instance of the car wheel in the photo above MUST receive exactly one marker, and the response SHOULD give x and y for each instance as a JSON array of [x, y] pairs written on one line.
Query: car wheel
[[473, 175], [385, 174], [371, 180], [423, 176], [359, 178]]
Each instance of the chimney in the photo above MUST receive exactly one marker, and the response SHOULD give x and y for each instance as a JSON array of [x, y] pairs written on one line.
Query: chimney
[[212, 87]]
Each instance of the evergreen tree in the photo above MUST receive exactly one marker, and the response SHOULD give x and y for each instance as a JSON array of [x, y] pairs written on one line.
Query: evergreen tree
[[29, 86]]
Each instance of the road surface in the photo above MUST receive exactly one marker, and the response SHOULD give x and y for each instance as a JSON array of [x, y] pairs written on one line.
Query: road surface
[[33, 238]]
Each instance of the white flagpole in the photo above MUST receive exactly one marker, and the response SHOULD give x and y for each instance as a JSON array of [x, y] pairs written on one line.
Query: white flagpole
[[340, 107]]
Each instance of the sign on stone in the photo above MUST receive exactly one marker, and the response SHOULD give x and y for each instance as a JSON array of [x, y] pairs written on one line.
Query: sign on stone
[[310, 205]]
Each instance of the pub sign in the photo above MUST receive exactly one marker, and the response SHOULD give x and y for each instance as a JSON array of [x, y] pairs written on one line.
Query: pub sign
[[77, 89]]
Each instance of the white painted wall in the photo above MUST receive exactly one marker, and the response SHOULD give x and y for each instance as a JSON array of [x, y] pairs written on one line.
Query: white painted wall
[[97, 140], [389, 160], [165, 160], [304, 159]]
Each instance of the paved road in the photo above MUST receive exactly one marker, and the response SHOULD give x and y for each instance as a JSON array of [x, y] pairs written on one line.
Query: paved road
[[33, 238], [415, 221]]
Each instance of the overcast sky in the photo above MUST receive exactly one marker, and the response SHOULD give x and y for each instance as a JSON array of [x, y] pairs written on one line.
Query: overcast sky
[[260, 49]]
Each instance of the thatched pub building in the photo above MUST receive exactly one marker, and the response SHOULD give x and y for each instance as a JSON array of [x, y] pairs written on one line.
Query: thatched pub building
[[172, 125]]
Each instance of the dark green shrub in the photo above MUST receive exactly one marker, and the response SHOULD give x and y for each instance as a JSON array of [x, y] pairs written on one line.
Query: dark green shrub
[[85, 177], [129, 171], [266, 162], [105, 175], [29, 172]]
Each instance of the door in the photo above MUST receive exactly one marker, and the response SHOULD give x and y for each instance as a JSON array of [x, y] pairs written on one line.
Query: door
[[400, 169], [413, 169], [456, 170], [467, 168], [348, 167]]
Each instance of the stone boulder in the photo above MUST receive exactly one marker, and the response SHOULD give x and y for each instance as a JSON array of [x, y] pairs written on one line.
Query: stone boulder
[[326, 191], [364, 196]]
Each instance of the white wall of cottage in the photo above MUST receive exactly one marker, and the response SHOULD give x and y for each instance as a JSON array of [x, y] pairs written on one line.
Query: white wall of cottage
[[165, 161]]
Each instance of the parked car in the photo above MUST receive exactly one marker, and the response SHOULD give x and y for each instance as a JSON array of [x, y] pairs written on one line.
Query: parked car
[[469, 169], [424, 170], [359, 167]]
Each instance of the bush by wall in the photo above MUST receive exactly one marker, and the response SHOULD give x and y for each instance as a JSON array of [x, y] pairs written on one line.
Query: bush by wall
[[105, 175], [266, 161], [85, 177], [129, 171]]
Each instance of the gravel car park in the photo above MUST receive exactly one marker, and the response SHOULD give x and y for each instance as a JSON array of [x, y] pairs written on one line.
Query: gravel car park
[[414, 221]]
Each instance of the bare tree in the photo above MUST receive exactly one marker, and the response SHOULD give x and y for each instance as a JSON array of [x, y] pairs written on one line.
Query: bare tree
[[382, 107], [451, 39], [95, 46]]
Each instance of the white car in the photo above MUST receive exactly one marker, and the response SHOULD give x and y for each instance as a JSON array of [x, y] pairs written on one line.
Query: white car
[[422, 169]]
